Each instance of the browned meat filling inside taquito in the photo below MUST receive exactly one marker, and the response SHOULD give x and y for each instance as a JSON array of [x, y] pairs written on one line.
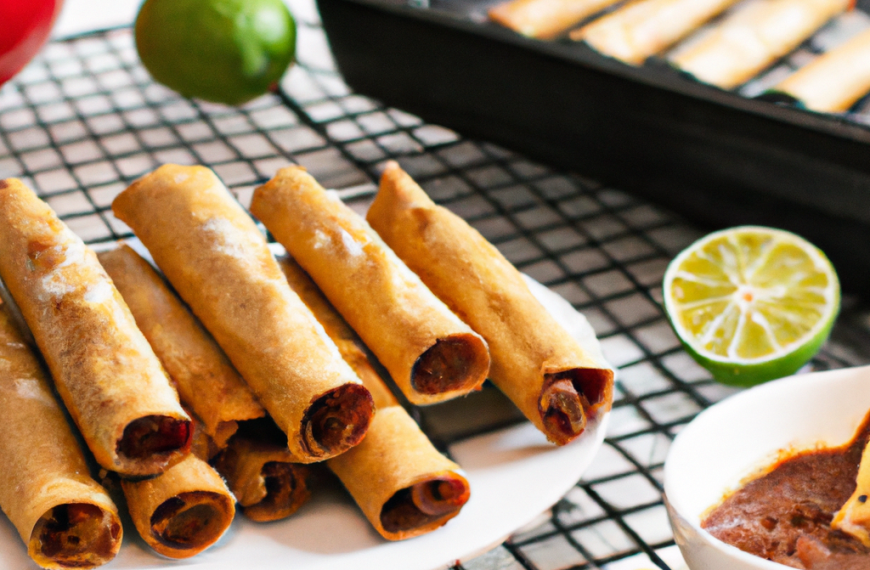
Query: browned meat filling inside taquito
[[338, 420], [286, 491], [424, 503], [261, 473], [568, 396], [77, 535], [446, 366], [189, 520], [154, 435]]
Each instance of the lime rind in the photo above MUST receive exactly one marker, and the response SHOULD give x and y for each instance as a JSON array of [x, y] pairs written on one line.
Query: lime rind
[[781, 325]]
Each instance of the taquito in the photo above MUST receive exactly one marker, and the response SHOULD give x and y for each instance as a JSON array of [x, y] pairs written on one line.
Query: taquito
[[64, 517], [834, 81], [207, 383], [403, 485], [431, 355], [264, 477], [854, 517], [545, 19], [219, 263], [183, 511], [752, 38], [551, 378], [338, 330], [105, 371], [644, 28]]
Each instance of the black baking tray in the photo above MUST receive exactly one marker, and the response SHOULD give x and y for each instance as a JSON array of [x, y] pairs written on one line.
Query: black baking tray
[[716, 157]]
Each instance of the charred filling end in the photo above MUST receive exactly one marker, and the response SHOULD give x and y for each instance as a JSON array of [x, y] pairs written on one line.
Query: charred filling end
[[286, 491], [337, 421], [424, 503], [450, 364], [561, 408], [571, 397], [77, 535], [594, 385], [190, 520], [154, 435]]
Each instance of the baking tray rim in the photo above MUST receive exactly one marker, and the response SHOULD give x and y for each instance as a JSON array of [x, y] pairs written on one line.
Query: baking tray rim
[[656, 74]]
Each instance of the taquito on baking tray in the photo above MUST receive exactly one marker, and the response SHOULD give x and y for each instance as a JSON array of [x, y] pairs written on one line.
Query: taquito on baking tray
[[752, 37], [643, 28], [105, 371], [207, 383], [834, 81], [551, 378], [263, 476], [431, 355], [65, 518], [545, 18], [219, 263], [403, 485]]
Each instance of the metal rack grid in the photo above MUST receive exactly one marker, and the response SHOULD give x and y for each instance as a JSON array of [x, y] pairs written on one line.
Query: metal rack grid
[[84, 120]]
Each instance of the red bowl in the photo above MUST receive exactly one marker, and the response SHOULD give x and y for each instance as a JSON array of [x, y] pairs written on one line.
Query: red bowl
[[26, 25]]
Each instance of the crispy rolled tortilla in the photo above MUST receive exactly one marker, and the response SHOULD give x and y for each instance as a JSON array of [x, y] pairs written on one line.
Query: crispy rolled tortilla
[[834, 81], [753, 37], [338, 330], [207, 383], [64, 517], [266, 481], [431, 354], [105, 371], [220, 264], [400, 481], [183, 511], [854, 517], [551, 378], [644, 28], [545, 19]]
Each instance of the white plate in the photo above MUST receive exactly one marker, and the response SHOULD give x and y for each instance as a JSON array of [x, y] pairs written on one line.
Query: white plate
[[745, 433], [514, 474]]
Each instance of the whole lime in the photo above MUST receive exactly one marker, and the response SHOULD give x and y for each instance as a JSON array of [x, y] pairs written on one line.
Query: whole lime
[[226, 51], [751, 304]]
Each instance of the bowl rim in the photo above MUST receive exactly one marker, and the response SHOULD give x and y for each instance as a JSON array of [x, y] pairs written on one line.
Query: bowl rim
[[675, 508]]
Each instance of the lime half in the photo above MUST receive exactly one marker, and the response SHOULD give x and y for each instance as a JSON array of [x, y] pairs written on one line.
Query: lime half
[[751, 304]]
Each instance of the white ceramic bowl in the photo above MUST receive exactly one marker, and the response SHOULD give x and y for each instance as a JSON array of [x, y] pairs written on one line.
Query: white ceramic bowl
[[742, 434]]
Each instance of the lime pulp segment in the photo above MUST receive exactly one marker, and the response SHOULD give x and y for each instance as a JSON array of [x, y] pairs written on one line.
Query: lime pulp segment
[[750, 295]]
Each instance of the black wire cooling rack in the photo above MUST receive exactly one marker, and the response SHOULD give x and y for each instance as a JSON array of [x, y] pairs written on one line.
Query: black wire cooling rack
[[85, 119]]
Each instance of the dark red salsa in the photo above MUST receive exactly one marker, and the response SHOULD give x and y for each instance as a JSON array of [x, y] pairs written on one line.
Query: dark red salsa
[[785, 516]]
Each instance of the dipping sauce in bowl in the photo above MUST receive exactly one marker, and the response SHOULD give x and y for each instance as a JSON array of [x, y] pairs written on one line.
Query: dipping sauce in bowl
[[806, 424], [785, 515]]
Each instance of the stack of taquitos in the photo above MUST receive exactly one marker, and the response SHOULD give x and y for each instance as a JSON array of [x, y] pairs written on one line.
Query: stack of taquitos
[[402, 484], [220, 264], [207, 383], [186, 509], [551, 378], [430, 353], [261, 474]]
